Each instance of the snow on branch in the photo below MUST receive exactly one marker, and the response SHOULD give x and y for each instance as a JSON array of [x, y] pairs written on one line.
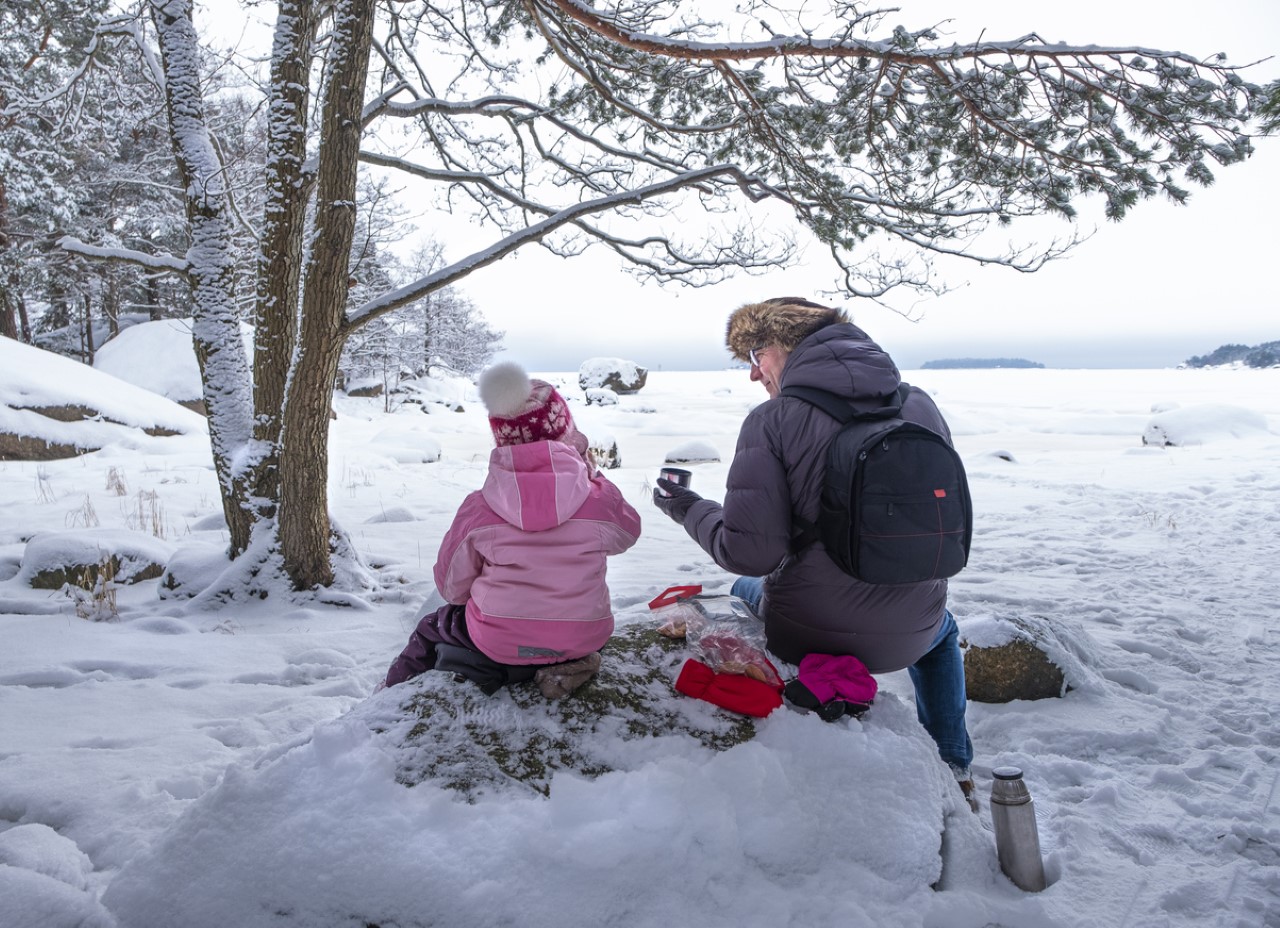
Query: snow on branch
[[124, 255]]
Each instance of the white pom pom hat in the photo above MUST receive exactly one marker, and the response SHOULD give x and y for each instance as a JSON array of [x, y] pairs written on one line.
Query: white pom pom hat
[[524, 410]]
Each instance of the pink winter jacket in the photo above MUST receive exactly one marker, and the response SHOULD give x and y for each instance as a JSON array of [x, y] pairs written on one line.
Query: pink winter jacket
[[526, 553]]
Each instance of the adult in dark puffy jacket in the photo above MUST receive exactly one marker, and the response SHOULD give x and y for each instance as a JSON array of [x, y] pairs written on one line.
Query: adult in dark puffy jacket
[[808, 603]]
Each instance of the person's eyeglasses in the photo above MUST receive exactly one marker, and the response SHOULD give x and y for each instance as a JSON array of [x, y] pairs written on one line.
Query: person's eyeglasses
[[754, 355]]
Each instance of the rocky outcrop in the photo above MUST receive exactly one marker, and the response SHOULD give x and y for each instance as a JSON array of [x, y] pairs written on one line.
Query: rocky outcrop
[[1017, 669], [614, 374], [630, 698]]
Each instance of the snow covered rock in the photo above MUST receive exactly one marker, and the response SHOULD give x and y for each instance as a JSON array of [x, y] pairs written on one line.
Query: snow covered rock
[[365, 388], [1016, 669], [614, 374], [193, 566], [52, 559], [604, 451], [525, 739], [52, 407], [1027, 657], [504, 810], [600, 396], [692, 452], [1198, 425], [178, 377]]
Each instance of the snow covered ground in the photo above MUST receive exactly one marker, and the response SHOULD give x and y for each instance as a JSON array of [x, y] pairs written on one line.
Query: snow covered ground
[[183, 767]]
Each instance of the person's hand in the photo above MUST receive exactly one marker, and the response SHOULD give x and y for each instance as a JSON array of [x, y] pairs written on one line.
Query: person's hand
[[676, 504]]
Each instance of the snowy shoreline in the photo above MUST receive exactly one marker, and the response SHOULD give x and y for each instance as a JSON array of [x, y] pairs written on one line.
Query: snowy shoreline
[[1154, 779]]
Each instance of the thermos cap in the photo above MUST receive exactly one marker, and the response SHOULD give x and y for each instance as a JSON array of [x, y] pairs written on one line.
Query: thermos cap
[[1007, 773]]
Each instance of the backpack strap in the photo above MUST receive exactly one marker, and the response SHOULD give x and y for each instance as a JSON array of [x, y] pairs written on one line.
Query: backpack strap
[[838, 408]]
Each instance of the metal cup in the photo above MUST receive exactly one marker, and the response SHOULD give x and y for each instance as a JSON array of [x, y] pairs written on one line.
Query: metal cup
[[677, 475]]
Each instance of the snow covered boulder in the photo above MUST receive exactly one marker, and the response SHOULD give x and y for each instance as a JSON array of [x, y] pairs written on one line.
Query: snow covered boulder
[[52, 407], [526, 739], [177, 379], [193, 566], [1023, 658], [692, 452], [81, 557], [601, 397], [1198, 425], [432, 804], [365, 388], [614, 374], [169, 342], [604, 451]]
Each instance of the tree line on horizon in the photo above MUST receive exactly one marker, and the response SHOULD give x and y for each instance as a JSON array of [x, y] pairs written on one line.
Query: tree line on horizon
[[1265, 355], [983, 363]]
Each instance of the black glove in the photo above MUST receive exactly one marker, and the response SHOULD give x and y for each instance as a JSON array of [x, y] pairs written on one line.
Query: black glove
[[677, 503], [801, 696]]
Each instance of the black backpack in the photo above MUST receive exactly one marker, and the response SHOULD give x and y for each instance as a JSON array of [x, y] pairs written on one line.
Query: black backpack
[[895, 501]]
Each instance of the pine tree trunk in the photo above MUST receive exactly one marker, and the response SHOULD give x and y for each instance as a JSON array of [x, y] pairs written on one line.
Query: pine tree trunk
[[304, 455]]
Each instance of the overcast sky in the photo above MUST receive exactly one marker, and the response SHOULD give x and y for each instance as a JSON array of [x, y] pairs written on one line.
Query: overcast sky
[[1166, 283]]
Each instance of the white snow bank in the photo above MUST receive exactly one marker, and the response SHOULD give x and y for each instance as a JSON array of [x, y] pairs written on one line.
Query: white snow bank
[[289, 842], [35, 378], [166, 345], [1198, 425]]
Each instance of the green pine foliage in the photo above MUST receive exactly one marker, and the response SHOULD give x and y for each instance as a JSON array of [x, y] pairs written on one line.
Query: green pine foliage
[[1265, 355]]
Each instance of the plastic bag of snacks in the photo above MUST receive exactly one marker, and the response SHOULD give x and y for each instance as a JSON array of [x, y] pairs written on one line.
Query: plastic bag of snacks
[[727, 641]]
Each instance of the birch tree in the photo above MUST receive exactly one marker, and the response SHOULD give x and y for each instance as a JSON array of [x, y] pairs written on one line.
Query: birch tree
[[559, 124]]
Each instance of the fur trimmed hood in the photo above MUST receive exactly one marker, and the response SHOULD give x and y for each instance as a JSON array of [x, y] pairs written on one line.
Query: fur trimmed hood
[[781, 322]]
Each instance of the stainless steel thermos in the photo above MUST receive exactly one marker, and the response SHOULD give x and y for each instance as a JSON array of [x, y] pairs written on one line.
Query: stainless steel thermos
[[1017, 839]]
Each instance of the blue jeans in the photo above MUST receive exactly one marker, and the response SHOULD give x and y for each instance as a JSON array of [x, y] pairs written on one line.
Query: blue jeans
[[938, 678]]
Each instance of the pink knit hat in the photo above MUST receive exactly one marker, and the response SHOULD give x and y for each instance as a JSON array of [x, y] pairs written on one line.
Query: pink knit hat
[[522, 410]]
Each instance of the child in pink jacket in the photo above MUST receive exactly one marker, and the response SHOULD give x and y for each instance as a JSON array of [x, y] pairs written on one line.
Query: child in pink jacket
[[522, 567]]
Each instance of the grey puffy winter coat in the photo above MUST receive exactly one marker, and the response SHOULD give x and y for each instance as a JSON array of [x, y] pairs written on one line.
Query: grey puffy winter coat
[[810, 605]]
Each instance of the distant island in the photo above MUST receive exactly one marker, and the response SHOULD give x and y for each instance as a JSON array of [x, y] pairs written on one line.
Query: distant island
[[952, 363], [1265, 355]]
